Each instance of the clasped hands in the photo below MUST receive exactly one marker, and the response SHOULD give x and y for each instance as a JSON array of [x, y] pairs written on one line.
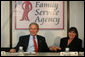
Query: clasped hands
[[54, 48]]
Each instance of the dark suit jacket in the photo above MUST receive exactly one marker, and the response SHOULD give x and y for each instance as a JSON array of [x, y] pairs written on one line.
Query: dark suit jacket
[[24, 40], [75, 45]]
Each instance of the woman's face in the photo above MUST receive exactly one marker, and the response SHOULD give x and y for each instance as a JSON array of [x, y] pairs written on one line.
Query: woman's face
[[72, 34]]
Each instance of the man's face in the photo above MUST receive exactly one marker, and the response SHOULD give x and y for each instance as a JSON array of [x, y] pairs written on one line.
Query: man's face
[[33, 30]]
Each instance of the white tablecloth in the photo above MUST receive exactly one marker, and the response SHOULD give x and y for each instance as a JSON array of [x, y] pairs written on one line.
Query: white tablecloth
[[43, 54]]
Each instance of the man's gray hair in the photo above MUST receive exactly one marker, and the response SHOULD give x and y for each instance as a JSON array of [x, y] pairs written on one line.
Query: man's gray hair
[[34, 24]]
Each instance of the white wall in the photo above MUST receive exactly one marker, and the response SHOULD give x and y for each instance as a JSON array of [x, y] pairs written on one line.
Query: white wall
[[77, 17], [5, 36]]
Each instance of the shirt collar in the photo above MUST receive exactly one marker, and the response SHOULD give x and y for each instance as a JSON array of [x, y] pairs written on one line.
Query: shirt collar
[[32, 36]]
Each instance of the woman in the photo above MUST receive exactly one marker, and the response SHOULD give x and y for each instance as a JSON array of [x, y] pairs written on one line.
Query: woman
[[72, 42]]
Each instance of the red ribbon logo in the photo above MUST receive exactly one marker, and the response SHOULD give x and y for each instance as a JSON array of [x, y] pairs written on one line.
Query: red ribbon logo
[[27, 7]]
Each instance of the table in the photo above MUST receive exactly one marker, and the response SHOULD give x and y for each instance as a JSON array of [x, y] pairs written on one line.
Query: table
[[44, 54]]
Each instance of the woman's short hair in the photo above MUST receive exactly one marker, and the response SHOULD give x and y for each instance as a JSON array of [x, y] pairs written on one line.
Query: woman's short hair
[[75, 30]]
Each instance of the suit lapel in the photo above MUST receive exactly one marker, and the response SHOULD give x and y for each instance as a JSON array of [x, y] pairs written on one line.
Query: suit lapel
[[72, 42], [27, 41]]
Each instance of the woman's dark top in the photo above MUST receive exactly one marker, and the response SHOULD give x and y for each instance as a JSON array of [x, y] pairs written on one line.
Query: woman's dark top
[[75, 45]]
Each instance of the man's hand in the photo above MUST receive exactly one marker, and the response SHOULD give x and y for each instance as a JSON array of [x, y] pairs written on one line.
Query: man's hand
[[12, 50]]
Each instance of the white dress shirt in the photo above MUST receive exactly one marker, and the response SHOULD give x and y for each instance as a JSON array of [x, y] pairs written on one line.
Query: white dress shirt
[[31, 47]]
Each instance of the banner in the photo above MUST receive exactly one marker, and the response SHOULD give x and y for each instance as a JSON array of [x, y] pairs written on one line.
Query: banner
[[48, 14]]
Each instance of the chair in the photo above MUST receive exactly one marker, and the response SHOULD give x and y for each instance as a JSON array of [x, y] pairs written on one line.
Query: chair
[[57, 41]]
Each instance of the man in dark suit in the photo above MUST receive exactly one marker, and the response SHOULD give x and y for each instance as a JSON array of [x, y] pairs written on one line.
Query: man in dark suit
[[29, 44]]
